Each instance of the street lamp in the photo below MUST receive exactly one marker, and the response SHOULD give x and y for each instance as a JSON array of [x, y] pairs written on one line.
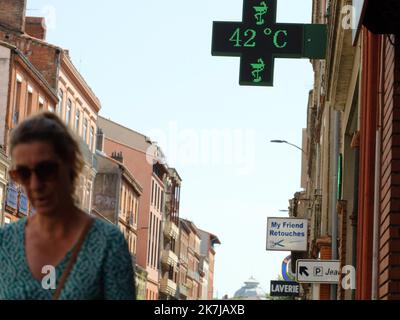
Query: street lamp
[[291, 144]]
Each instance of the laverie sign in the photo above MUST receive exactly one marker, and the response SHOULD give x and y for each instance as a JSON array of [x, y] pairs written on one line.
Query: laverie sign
[[287, 234]]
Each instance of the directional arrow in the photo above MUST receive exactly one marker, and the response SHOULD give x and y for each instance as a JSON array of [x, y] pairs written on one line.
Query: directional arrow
[[303, 271]]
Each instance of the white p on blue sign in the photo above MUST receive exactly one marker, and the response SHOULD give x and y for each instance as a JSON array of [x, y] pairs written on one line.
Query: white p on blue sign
[[287, 234]]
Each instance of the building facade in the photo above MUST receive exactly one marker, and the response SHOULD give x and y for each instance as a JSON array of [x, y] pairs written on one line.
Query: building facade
[[208, 241], [135, 149], [170, 243], [116, 197], [183, 285], [24, 92], [351, 145], [197, 257], [76, 103]]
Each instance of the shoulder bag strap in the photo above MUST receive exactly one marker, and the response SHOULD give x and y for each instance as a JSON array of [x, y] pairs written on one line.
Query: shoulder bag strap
[[72, 260]]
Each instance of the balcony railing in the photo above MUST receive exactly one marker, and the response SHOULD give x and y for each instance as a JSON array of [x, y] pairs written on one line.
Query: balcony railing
[[184, 260], [171, 230], [168, 286], [194, 275], [183, 290], [169, 258]]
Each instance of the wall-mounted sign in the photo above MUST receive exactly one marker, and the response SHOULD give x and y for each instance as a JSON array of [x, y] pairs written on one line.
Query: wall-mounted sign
[[284, 289], [287, 234], [259, 39], [317, 271]]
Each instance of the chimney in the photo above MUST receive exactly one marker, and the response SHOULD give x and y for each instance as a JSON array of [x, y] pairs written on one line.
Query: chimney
[[118, 156], [36, 27], [12, 14]]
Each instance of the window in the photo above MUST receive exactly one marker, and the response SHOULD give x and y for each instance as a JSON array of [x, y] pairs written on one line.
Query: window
[[60, 101], [68, 113], [17, 100], [51, 108], [29, 102], [124, 215], [41, 103], [153, 235], [162, 199], [77, 119], [91, 138], [156, 196], [85, 127], [137, 212], [155, 261], [150, 234], [120, 201], [152, 192]]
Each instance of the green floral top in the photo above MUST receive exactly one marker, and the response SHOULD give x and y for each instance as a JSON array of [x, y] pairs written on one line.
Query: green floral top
[[103, 269]]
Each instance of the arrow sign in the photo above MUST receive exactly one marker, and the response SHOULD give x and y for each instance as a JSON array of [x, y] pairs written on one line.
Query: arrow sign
[[318, 271], [303, 271]]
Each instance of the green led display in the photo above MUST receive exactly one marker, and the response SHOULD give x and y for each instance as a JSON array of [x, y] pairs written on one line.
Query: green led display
[[259, 39]]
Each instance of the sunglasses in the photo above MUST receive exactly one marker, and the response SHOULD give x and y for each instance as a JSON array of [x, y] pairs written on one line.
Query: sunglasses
[[44, 171]]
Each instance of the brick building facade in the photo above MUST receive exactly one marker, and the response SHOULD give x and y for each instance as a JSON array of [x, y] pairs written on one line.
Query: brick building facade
[[352, 151]]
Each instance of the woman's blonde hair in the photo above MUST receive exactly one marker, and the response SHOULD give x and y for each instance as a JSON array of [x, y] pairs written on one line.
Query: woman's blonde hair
[[48, 127]]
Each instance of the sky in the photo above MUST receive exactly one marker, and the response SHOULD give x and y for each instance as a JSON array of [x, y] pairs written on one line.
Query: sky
[[150, 64]]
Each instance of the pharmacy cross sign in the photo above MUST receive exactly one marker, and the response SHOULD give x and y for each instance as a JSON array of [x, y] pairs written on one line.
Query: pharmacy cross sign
[[259, 39]]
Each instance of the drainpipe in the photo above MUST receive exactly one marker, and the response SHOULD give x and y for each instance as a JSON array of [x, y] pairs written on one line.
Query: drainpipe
[[334, 216], [377, 182], [375, 249]]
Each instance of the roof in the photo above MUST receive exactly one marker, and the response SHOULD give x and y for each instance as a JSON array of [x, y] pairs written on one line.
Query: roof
[[251, 291], [174, 173], [191, 225], [124, 135], [39, 76], [213, 238], [184, 224], [67, 60], [87, 90]]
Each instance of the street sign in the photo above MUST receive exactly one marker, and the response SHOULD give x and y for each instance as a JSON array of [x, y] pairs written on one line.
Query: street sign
[[259, 39], [317, 271], [284, 289], [287, 234]]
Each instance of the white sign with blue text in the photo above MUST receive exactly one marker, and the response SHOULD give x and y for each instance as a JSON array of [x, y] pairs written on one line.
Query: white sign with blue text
[[287, 234], [317, 271]]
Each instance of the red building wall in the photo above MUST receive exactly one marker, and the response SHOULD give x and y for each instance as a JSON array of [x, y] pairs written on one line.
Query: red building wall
[[368, 127], [389, 248]]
